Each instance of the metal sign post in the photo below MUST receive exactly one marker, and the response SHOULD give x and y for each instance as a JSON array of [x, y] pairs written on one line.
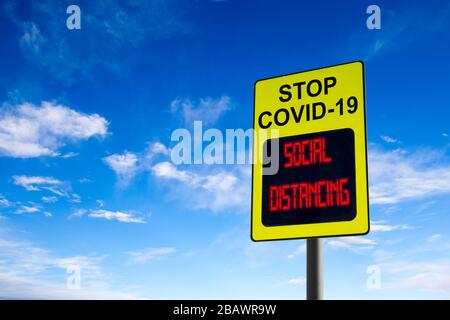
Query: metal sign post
[[314, 277]]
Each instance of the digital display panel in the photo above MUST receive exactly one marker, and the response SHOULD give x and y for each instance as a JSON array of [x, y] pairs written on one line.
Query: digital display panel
[[315, 182]]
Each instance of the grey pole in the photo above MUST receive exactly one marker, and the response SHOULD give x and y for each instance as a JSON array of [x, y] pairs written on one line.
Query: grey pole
[[314, 279]]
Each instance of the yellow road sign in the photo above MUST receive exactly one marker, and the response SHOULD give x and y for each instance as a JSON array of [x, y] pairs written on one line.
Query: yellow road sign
[[310, 155]]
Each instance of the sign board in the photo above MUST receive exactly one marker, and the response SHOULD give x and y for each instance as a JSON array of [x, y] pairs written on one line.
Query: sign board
[[310, 155]]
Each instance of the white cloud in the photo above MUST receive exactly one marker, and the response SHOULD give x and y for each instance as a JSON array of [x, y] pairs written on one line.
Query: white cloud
[[77, 213], [430, 281], [216, 190], [356, 244], [388, 139], [115, 215], [207, 110], [435, 243], [400, 28], [157, 148], [35, 183], [126, 217], [75, 198], [300, 250], [27, 209], [58, 191], [30, 272], [120, 26], [223, 190], [382, 226], [85, 180], [149, 254], [382, 255], [433, 276], [4, 202], [49, 199], [69, 155], [29, 131], [32, 37], [434, 238], [297, 281], [445, 134], [168, 171], [398, 175], [212, 190], [39, 183], [127, 165], [124, 165]]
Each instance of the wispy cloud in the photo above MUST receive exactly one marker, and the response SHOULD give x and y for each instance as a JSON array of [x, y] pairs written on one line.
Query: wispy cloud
[[114, 25], [356, 244], [31, 272], [49, 199], [4, 202], [216, 191], [167, 170], [36, 183], [120, 216], [116, 215], [297, 281], [435, 243], [50, 184], [434, 238], [399, 175], [383, 226], [69, 155], [128, 164], [124, 165], [40, 183], [300, 250], [150, 254], [28, 131], [77, 213], [433, 276], [27, 209], [388, 139], [400, 27], [32, 38], [208, 110], [75, 198], [85, 180]]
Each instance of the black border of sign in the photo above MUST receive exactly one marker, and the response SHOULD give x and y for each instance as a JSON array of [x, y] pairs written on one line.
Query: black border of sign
[[365, 137]]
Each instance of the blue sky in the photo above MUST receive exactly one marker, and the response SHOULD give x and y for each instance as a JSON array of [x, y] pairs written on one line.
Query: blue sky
[[85, 123]]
